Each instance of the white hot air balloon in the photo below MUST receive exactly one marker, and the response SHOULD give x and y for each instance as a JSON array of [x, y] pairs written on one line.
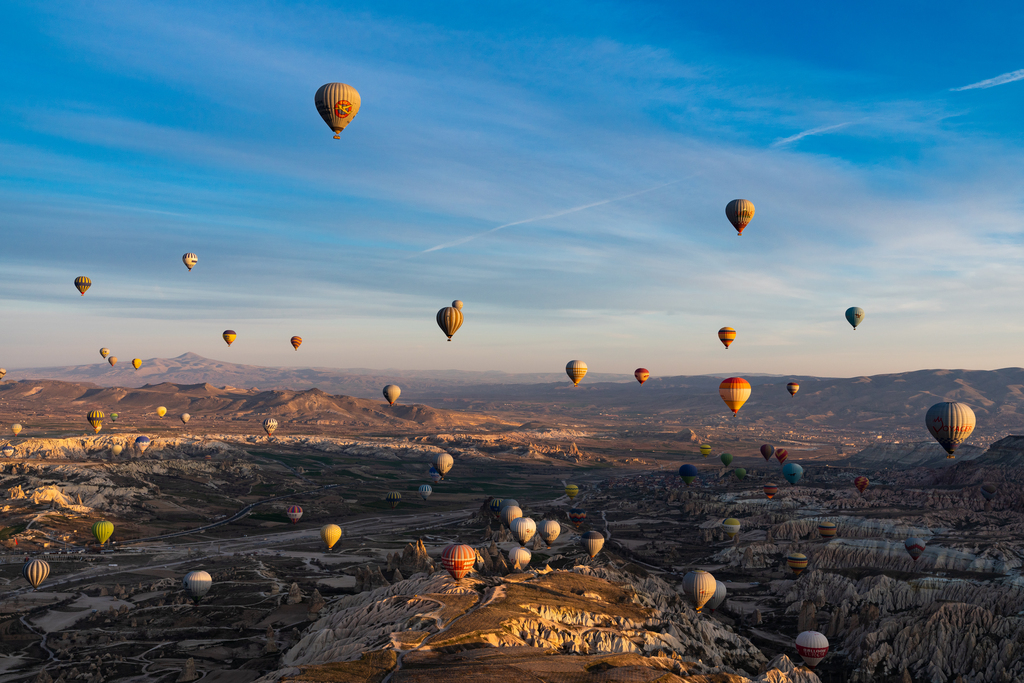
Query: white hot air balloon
[[812, 646], [269, 425], [185, 417], [549, 531], [392, 392], [520, 555], [523, 529], [592, 542], [198, 584], [699, 586], [509, 514], [718, 598], [425, 491]]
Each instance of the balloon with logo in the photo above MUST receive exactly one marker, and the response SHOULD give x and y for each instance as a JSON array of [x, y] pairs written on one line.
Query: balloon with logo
[[855, 316], [770, 490], [391, 393], [458, 560], [572, 490], [95, 418], [731, 527], [104, 352], [549, 531], [827, 529], [393, 498], [726, 458], [592, 542], [734, 391], [330, 534], [950, 423], [812, 647], [739, 212], [797, 562], [792, 472], [727, 336], [190, 260], [861, 483], [792, 388], [523, 529], [294, 513], [577, 370], [641, 374], [338, 104], [688, 473]]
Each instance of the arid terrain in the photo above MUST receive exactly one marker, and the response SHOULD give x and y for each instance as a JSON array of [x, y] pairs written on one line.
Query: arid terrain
[[212, 495]]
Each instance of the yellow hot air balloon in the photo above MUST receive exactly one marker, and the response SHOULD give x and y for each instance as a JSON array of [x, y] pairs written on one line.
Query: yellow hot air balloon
[[731, 527], [82, 283], [35, 572], [457, 304], [161, 411], [705, 449], [229, 336], [102, 530], [112, 360], [16, 428], [739, 212], [572, 490], [185, 417], [330, 534], [95, 418], [734, 391], [577, 370], [104, 352], [136, 363], [338, 104], [727, 336], [950, 424], [449, 319]]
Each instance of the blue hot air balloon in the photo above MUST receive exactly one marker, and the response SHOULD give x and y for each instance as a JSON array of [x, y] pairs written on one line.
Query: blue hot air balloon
[[792, 472], [855, 315], [688, 473]]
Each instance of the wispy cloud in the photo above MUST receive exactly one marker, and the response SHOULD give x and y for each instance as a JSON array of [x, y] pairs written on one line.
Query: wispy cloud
[[813, 131], [470, 238], [1001, 79]]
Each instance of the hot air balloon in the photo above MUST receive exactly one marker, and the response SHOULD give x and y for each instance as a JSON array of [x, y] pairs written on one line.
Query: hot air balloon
[[705, 449], [792, 472], [549, 530], [641, 374], [767, 451], [393, 499], [734, 391], [190, 260], [731, 527], [699, 586], [95, 418], [915, 547], [330, 534], [197, 584], [457, 304], [142, 443], [510, 513], [495, 505], [229, 336], [269, 425], [950, 424], [104, 352], [797, 562], [520, 556], [855, 316], [35, 572], [827, 529], [726, 458], [592, 542], [988, 491], [296, 342], [161, 411], [113, 417], [391, 393], [577, 370], [740, 473], [7, 450], [688, 473], [727, 336], [781, 454], [718, 598], [523, 529], [102, 531], [338, 104], [739, 212], [572, 490], [861, 483], [116, 450], [812, 647], [16, 428], [508, 502], [112, 360], [449, 319], [3, 373], [136, 363], [458, 560], [435, 476], [770, 490], [82, 283], [185, 417], [577, 517], [425, 491], [793, 387], [294, 513], [443, 464]]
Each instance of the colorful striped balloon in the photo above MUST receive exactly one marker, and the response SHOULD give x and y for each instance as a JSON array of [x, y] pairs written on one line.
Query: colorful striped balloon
[[296, 342], [229, 336], [458, 560], [495, 505], [190, 260], [781, 454], [827, 529], [792, 388], [797, 562], [734, 391], [82, 283], [393, 499], [294, 513], [95, 418], [577, 370], [739, 212], [641, 374], [425, 491], [577, 517], [727, 336], [770, 490], [861, 483]]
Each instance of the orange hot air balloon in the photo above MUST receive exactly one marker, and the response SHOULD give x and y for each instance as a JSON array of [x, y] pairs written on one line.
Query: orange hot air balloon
[[739, 212], [229, 336], [861, 483], [792, 388], [641, 375], [296, 342], [727, 336], [734, 391]]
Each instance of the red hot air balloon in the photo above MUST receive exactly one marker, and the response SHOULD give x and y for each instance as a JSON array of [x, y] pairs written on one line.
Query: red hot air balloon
[[641, 375], [861, 483], [781, 454], [458, 560], [767, 451], [770, 490]]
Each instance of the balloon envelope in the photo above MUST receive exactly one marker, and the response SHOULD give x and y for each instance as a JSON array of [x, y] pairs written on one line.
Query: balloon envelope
[[112, 360], [161, 411], [443, 463], [458, 560], [705, 449], [104, 352], [495, 505], [392, 392], [229, 336], [35, 572], [950, 424], [731, 527], [269, 425], [457, 304], [577, 516], [95, 418], [577, 370], [142, 443], [718, 598], [592, 542], [185, 417], [770, 490], [520, 556], [572, 490], [792, 472], [197, 583], [699, 586], [338, 104], [16, 428], [988, 491], [511, 513], [523, 529], [812, 647], [861, 483], [294, 513], [102, 531], [688, 473], [136, 363], [393, 499], [425, 491], [767, 451], [549, 530], [190, 260], [740, 473], [641, 374], [792, 388], [727, 336], [449, 319], [827, 529], [739, 212], [781, 454], [330, 534], [82, 284], [726, 458], [797, 562], [734, 391], [915, 547], [296, 342], [855, 316]]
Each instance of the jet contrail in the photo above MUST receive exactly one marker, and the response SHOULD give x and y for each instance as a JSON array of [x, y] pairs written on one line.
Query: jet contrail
[[470, 238], [813, 131], [993, 82]]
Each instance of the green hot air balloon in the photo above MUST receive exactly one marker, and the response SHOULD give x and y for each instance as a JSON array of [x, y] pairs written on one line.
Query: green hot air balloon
[[740, 473], [855, 315], [726, 458], [102, 530]]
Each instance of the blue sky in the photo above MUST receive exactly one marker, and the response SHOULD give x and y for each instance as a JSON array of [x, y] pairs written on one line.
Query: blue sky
[[882, 147]]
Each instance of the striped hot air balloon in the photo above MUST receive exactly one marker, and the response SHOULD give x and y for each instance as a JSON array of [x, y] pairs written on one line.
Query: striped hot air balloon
[[296, 342], [7, 450], [718, 598], [330, 534], [861, 483], [572, 490], [523, 529], [731, 527], [915, 547], [797, 562], [792, 388], [727, 336], [739, 212], [269, 426], [770, 490], [294, 513], [82, 283], [781, 454], [549, 531], [641, 374], [198, 584], [827, 529], [950, 424], [592, 542], [425, 491], [458, 560], [699, 587], [229, 336], [443, 463], [577, 517], [338, 104], [393, 499], [507, 502], [102, 531], [510, 513], [495, 505], [520, 557], [734, 391], [812, 647], [35, 572], [190, 260], [577, 370], [449, 319], [767, 451], [95, 418]]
